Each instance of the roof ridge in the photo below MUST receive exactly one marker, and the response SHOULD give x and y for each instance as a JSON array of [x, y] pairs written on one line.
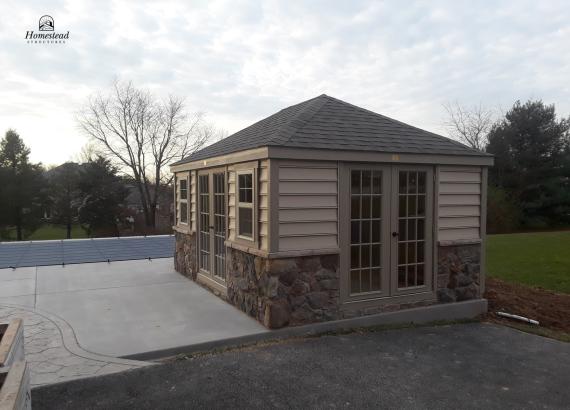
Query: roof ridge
[[406, 125], [290, 128]]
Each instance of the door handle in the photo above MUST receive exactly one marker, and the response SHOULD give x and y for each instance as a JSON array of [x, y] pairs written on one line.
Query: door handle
[[395, 234]]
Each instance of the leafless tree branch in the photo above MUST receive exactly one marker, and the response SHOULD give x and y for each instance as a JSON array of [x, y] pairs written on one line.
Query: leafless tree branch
[[470, 125], [143, 135]]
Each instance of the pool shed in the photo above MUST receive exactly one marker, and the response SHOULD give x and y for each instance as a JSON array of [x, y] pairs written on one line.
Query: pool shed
[[326, 211]]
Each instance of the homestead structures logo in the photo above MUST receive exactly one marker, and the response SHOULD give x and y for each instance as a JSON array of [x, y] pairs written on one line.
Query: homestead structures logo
[[46, 23], [47, 33]]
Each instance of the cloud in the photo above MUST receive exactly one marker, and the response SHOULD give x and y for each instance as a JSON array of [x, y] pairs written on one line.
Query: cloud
[[242, 60]]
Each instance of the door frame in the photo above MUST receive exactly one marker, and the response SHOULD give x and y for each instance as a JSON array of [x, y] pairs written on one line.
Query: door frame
[[209, 278], [429, 234], [345, 232], [389, 296]]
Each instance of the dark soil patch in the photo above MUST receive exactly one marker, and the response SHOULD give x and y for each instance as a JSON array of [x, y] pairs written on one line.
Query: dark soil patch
[[551, 309]]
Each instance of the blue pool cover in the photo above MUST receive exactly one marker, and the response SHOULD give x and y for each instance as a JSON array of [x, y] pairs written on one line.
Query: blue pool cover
[[67, 251]]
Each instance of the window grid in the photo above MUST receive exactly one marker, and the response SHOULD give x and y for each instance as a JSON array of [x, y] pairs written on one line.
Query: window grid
[[219, 225], [411, 228], [183, 199], [204, 203], [366, 230], [245, 205]]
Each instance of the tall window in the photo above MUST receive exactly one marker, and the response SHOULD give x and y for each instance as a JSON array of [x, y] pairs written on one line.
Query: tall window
[[245, 204], [183, 195]]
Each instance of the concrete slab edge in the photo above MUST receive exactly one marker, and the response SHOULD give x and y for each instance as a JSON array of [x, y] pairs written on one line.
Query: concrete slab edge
[[70, 341], [421, 315]]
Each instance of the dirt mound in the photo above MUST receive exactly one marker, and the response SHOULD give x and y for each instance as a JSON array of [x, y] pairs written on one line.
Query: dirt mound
[[551, 309]]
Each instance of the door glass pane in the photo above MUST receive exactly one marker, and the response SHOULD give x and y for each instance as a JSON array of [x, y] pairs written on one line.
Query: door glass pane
[[204, 205], [411, 223], [366, 231], [219, 225]]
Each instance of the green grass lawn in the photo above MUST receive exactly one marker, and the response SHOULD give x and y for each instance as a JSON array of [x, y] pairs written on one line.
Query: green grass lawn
[[539, 259], [49, 231]]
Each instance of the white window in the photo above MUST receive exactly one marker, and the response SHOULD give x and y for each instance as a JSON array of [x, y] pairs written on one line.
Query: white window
[[245, 214], [183, 199]]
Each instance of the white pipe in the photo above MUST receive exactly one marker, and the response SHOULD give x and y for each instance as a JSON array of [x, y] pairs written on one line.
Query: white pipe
[[517, 317]]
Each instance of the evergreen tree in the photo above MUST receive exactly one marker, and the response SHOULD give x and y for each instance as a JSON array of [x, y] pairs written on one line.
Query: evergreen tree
[[64, 194], [104, 194], [532, 162], [23, 187]]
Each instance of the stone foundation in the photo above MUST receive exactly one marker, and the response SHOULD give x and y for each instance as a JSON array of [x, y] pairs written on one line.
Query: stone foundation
[[306, 289], [185, 254], [281, 292], [458, 275]]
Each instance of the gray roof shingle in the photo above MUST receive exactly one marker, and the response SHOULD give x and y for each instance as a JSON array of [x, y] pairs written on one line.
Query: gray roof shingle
[[325, 122]]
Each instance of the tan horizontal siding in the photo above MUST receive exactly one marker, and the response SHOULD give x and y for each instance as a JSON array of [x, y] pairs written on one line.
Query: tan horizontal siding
[[459, 234], [300, 243], [459, 222], [291, 173], [299, 215], [461, 189], [308, 187], [307, 228], [307, 201], [459, 203], [231, 203], [193, 211], [263, 195], [308, 205], [459, 199], [460, 210]]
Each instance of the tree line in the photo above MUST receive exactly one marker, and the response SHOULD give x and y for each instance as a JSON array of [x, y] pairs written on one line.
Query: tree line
[[529, 184], [134, 135], [91, 194]]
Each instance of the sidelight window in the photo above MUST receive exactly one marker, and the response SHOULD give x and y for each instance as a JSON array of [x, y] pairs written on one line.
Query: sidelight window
[[183, 200], [245, 204]]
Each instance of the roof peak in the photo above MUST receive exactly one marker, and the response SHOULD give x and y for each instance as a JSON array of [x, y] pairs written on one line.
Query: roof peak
[[325, 122]]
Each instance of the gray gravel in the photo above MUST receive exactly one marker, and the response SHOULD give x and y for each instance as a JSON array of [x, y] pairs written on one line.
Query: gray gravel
[[473, 365]]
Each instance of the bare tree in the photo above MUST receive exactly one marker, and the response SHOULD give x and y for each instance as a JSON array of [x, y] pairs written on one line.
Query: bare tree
[[470, 125], [143, 134]]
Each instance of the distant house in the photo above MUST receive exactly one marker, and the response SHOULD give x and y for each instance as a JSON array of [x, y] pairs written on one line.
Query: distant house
[[325, 211], [164, 209]]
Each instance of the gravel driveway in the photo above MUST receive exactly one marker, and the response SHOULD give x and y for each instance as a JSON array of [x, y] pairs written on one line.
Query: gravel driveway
[[473, 365]]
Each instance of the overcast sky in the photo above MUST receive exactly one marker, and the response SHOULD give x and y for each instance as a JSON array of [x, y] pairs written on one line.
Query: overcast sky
[[240, 61]]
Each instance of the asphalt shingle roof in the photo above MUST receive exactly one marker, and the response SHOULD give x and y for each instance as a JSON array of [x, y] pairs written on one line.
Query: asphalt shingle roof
[[325, 122]]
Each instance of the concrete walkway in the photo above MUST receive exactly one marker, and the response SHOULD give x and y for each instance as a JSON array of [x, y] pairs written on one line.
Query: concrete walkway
[[128, 307], [53, 353], [469, 366]]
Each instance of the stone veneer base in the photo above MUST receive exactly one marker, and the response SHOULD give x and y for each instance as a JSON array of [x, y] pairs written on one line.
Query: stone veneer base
[[306, 289]]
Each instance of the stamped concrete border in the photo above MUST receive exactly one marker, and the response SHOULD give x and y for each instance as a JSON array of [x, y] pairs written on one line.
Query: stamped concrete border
[[70, 341], [451, 311]]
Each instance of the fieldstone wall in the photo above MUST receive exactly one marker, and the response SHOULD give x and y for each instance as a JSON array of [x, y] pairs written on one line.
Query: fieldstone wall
[[301, 290], [185, 254], [459, 269], [281, 292]]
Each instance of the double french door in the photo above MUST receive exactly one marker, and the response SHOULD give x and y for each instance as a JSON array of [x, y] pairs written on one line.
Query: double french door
[[212, 225], [386, 237]]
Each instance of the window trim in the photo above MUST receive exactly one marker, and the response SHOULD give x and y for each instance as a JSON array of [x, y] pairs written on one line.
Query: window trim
[[250, 205], [179, 179]]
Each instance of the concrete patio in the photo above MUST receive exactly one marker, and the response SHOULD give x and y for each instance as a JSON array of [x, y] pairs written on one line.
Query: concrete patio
[[123, 308]]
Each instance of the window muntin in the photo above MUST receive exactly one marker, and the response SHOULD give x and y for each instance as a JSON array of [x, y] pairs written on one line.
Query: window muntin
[[245, 184], [365, 231], [183, 200], [184, 189], [412, 194], [204, 214], [245, 214]]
